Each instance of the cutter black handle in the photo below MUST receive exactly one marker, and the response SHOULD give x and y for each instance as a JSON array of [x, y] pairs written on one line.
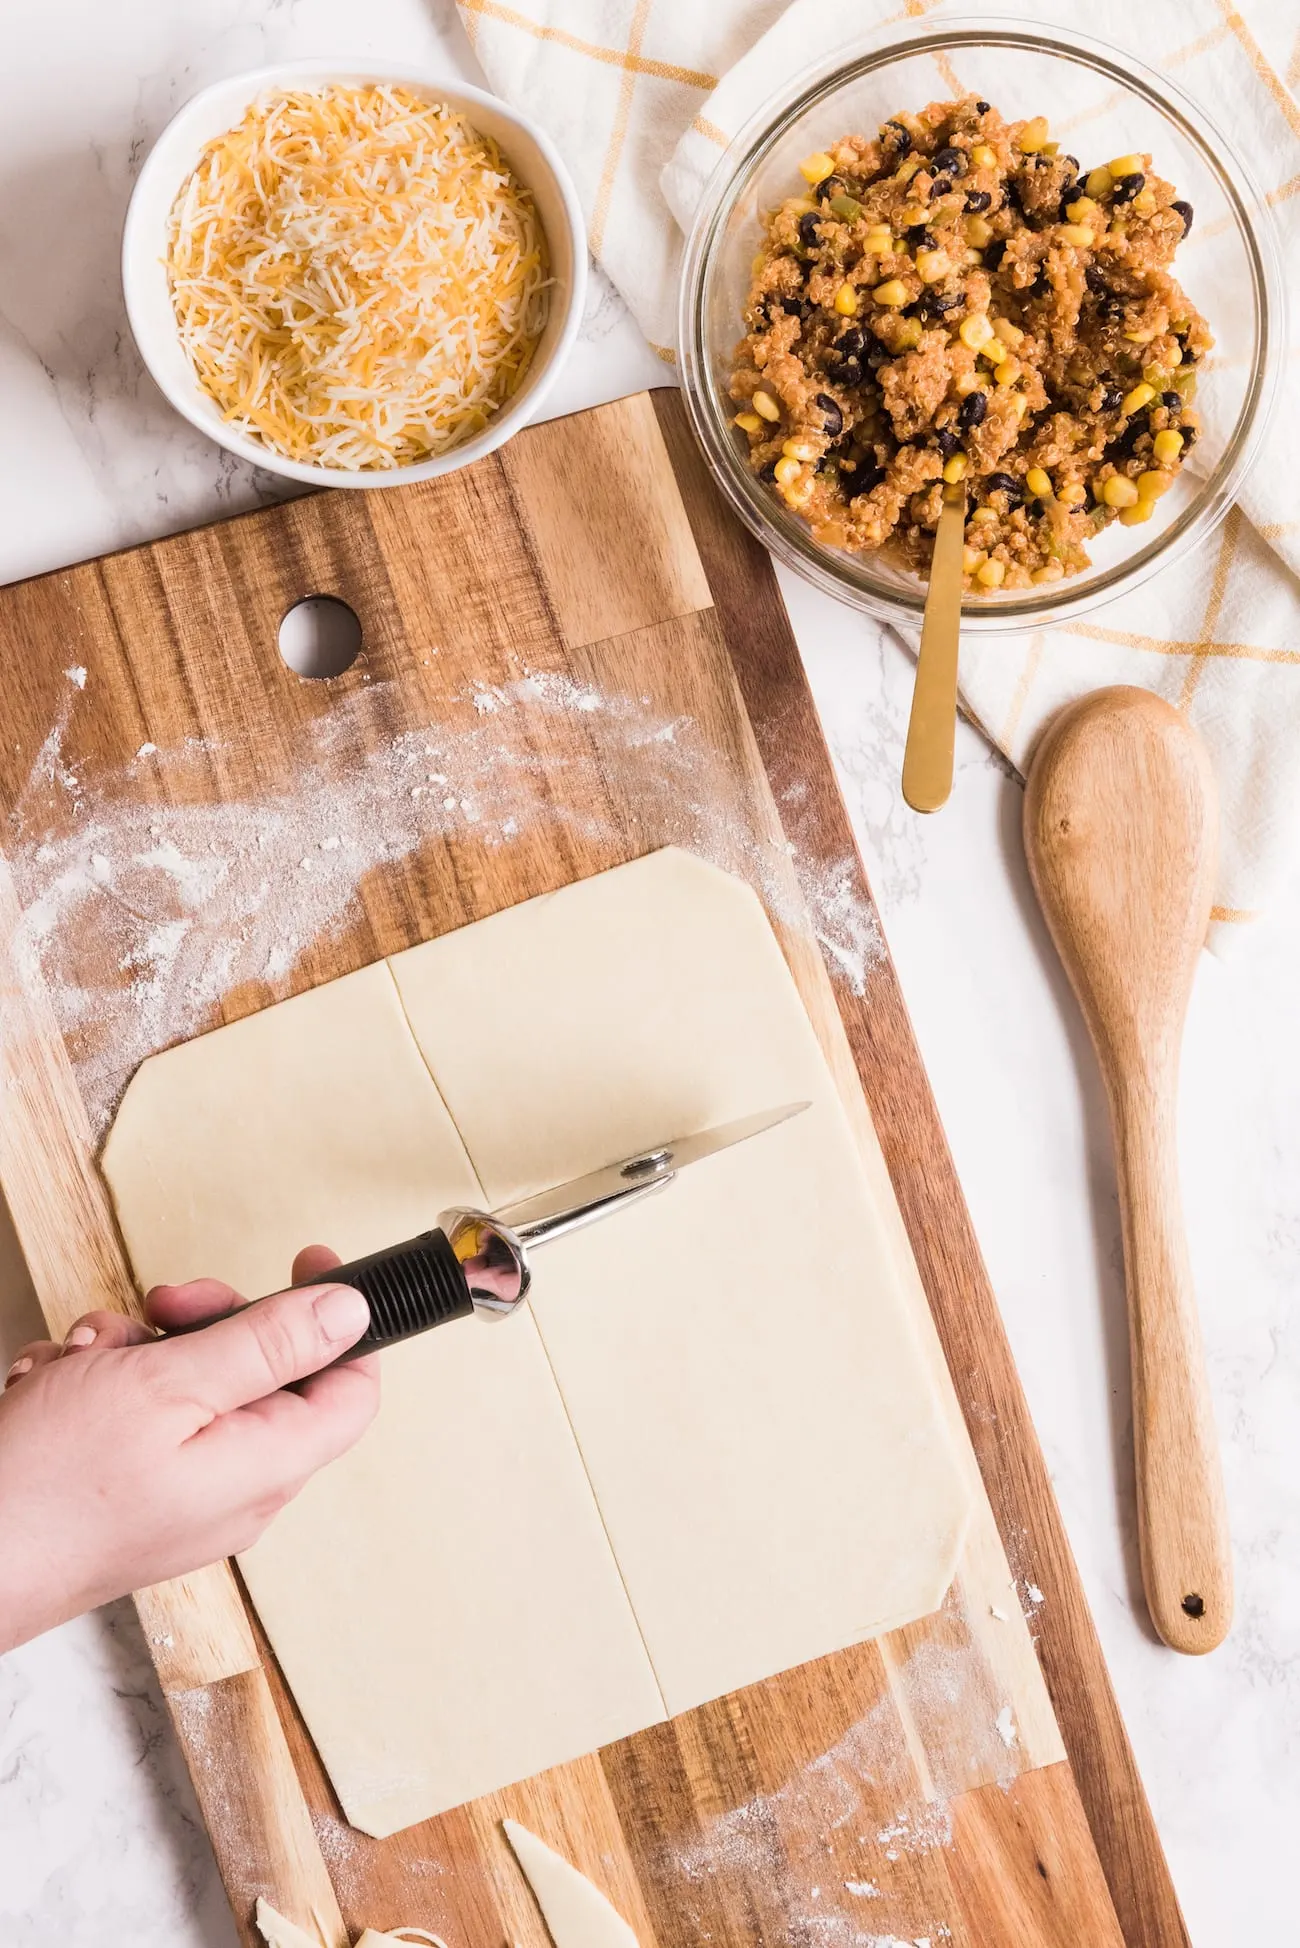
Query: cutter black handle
[[408, 1287]]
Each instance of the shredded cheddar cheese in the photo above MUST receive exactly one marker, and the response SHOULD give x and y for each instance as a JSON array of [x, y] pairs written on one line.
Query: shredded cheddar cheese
[[358, 279]]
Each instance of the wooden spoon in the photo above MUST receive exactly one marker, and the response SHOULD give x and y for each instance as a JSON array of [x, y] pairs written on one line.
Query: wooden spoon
[[932, 726], [1121, 831]]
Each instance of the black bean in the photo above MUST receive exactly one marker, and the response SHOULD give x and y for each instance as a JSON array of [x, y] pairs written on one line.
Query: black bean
[[845, 372], [981, 108], [897, 136], [830, 186], [832, 417], [851, 343], [1095, 282], [1128, 187], [938, 303], [1185, 211], [946, 441], [768, 472], [1035, 510], [870, 478], [1173, 400], [994, 252], [1074, 164], [941, 186], [1003, 483], [920, 237], [810, 229], [977, 200], [1111, 400], [1189, 434], [795, 307], [950, 161], [972, 410]]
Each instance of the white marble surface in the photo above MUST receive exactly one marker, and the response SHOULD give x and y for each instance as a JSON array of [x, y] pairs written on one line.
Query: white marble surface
[[99, 1837]]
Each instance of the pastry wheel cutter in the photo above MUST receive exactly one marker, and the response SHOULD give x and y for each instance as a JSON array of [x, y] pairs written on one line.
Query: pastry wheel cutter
[[478, 1261]]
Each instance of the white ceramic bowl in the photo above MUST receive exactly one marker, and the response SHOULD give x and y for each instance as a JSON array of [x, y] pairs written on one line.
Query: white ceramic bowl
[[525, 147]]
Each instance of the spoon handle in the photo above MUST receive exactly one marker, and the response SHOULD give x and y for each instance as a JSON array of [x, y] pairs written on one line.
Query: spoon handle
[[1182, 1517], [932, 726]]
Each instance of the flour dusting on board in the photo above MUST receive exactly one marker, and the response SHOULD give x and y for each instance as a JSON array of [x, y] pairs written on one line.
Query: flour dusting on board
[[196, 899]]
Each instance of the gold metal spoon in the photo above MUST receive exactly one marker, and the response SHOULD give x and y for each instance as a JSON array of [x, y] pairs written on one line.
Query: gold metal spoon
[[931, 729]]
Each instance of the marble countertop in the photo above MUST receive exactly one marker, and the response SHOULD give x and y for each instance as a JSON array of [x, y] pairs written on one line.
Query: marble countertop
[[99, 1833]]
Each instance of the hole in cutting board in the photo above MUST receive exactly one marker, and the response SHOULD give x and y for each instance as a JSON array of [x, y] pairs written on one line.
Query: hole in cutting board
[[320, 636]]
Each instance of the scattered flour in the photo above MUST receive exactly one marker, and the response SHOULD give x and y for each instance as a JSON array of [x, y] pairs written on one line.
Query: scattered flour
[[1006, 1727], [76, 675], [197, 900]]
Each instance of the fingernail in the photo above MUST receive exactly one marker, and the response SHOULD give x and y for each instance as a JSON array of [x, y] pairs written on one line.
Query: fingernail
[[81, 1336], [17, 1370], [342, 1312]]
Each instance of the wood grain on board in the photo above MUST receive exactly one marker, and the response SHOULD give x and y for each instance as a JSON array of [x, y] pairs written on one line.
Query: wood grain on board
[[591, 554]]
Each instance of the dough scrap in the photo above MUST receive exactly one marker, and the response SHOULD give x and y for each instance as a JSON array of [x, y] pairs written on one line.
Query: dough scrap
[[277, 1932], [576, 1912], [709, 1450]]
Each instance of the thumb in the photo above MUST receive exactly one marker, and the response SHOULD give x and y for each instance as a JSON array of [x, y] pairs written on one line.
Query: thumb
[[264, 1347]]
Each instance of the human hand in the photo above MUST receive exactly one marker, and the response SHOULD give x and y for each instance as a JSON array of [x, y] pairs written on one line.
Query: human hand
[[126, 1459]]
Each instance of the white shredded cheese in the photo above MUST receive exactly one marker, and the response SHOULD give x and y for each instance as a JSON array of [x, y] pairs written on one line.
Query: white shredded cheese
[[358, 278]]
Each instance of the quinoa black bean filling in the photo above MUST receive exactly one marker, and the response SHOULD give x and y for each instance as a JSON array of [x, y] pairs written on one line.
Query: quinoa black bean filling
[[958, 300]]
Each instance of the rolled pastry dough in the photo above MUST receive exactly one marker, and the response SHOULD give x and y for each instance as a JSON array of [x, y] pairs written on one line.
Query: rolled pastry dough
[[576, 1912], [710, 1449]]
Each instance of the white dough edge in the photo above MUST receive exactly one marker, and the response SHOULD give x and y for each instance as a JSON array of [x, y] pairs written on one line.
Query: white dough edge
[[277, 1932], [577, 1913]]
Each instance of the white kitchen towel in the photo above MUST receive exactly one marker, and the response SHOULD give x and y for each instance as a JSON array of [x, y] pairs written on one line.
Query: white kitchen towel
[[643, 96]]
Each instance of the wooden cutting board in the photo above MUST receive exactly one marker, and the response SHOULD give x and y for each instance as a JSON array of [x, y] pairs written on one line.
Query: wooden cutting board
[[572, 655]]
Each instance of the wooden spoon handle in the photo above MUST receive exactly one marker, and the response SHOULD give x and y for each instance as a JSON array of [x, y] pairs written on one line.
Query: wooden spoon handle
[[1182, 1517]]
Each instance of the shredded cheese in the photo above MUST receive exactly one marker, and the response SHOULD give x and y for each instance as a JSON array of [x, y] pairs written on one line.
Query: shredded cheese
[[358, 278]]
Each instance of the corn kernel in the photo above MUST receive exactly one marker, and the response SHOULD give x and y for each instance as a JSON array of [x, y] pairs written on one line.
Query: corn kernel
[[1140, 511], [816, 168], [967, 383], [1033, 136], [1143, 337], [1051, 148], [983, 515], [786, 470], [931, 265], [1144, 202], [1167, 445], [954, 469], [979, 231], [879, 238], [1153, 484], [892, 293], [846, 300], [1127, 166], [1039, 483], [1082, 210], [1174, 356], [757, 264], [971, 559], [1051, 571], [748, 422], [911, 214], [991, 573], [1100, 182], [806, 450], [906, 170], [1080, 234], [1073, 495], [1155, 375], [1134, 401], [1020, 404], [975, 330], [983, 156], [1008, 371], [972, 256], [909, 334], [763, 403], [797, 493], [994, 351], [1119, 491], [1009, 334]]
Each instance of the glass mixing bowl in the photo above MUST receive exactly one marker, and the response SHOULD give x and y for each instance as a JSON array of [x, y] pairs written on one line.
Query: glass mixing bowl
[[1100, 102]]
